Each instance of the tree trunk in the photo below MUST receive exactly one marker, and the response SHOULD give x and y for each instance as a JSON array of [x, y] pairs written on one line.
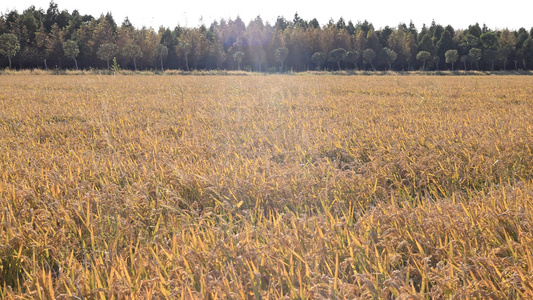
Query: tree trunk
[[108, 65], [9, 57], [161, 57], [76, 62], [45, 65], [187, 62], [135, 63], [373, 69]]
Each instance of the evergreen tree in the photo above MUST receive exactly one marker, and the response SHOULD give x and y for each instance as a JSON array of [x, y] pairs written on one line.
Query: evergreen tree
[[444, 44]]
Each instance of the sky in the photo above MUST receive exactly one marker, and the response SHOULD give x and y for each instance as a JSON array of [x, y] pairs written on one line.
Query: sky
[[510, 14]]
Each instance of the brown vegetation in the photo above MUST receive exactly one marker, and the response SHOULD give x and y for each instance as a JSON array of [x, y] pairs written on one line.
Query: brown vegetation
[[265, 187]]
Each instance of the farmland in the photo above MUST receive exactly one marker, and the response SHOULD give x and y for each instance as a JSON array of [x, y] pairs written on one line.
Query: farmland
[[275, 186]]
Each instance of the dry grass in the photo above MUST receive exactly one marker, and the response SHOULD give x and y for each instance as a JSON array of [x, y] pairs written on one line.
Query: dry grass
[[249, 187]]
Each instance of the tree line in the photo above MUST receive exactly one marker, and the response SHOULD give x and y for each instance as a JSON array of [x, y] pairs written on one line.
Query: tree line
[[59, 39]]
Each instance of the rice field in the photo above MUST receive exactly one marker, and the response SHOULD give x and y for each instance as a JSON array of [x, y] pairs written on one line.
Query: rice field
[[266, 187]]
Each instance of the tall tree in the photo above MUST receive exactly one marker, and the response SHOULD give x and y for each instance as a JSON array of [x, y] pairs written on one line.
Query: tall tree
[[527, 52], [471, 41], [426, 44], [410, 49], [106, 52], [281, 55], [71, 50], [40, 42], [507, 41], [50, 18], [391, 56], [373, 41], [368, 56], [54, 45], [161, 51], [319, 58], [475, 56], [353, 57], [217, 53], [451, 57], [147, 39], [238, 56], [9, 46], [124, 37], [492, 55], [464, 59], [338, 55], [360, 42], [489, 40], [184, 48], [444, 44], [103, 33], [423, 56], [132, 51]]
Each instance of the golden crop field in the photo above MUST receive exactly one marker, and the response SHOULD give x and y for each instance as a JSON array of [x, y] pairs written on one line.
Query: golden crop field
[[266, 187]]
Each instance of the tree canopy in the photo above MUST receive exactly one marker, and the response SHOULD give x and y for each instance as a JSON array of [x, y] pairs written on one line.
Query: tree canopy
[[37, 38]]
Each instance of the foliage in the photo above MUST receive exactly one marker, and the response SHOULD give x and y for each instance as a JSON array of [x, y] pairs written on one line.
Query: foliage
[[9, 46], [106, 52], [42, 33], [353, 57], [319, 58], [71, 50], [115, 67], [368, 56], [391, 56], [161, 51], [238, 56], [475, 56], [281, 56], [451, 57], [423, 56], [132, 51], [337, 55]]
